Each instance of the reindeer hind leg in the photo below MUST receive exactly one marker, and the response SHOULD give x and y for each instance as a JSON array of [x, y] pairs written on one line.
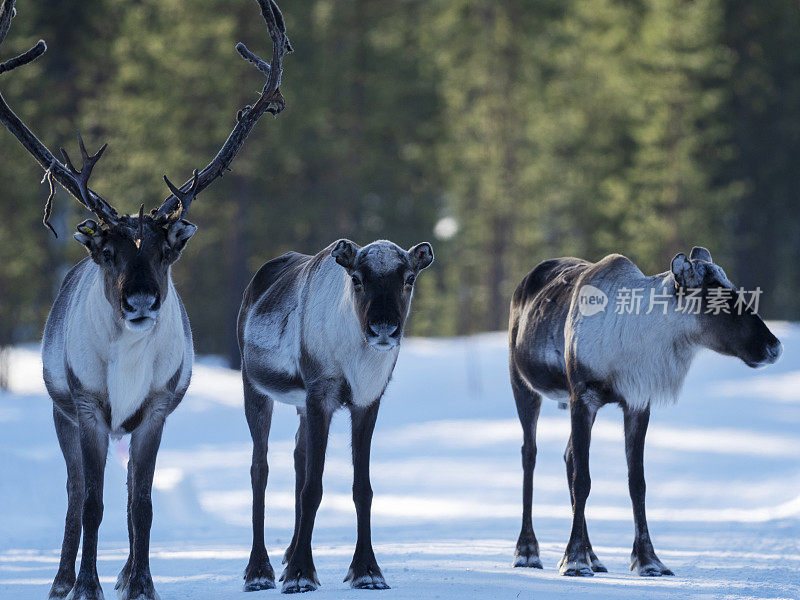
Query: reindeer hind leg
[[259, 574], [299, 479], [576, 559], [528, 405]]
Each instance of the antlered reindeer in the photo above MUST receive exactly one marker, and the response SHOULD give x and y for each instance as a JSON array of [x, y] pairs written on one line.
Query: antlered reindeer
[[595, 357], [320, 333], [117, 347]]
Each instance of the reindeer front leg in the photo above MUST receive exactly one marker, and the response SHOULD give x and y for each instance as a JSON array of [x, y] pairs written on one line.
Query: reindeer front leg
[[643, 557], [94, 449], [300, 574], [125, 573], [69, 440], [591, 557], [137, 583], [364, 571]]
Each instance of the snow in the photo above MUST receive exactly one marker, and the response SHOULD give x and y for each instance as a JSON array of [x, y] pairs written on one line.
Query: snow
[[723, 468]]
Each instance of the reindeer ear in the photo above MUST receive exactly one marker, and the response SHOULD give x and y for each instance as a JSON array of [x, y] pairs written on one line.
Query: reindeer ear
[[687, 274], [700, 253], [421, 256], [88, 233], [179, 232], [344, 252]]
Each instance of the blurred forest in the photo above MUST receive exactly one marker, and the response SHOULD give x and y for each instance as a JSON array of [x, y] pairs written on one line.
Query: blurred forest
[[503, 131]]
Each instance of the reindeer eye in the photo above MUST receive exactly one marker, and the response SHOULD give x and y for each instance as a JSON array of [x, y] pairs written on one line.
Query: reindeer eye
[[410, 280], [108, 255], [357, 283]]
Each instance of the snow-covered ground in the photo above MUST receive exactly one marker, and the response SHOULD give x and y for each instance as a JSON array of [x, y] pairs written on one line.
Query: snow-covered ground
[[723, 471]]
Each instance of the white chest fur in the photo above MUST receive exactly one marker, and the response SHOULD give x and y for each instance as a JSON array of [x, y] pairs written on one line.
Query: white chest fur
[[123, 365], [644, 356], [332, 329], [368, 372]]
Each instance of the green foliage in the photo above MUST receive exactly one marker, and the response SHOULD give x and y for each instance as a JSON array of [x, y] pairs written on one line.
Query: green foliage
[[762, 111], [542, 128]]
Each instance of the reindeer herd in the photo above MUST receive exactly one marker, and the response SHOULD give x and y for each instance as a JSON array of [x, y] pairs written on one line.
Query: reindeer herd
[[323, 332]]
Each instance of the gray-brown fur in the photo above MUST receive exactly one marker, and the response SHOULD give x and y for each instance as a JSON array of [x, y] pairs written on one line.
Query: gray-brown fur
[[604, 358], [322, 333], [83, 407], [117, 348]]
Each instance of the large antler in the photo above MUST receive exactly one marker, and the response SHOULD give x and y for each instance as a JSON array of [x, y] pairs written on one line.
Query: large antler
[[74, 181], [270, 101]]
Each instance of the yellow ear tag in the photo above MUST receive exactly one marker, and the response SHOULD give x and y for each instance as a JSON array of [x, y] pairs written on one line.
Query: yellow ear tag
[[86, 230]]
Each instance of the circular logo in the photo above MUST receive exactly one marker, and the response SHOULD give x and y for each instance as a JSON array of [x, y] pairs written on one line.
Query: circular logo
[[591, 300]]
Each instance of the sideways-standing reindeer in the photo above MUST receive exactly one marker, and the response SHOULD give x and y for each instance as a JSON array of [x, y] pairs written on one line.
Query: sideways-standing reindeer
[[117, 347], [320, 333], [563, 345]]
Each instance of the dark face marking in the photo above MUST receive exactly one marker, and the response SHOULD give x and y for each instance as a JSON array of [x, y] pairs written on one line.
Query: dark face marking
[[744, 336], [134, 258], [382, 281], [736, 330]]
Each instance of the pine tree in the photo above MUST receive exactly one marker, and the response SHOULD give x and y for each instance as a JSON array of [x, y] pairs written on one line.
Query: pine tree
[[490, 66], [48, 96], [762, 110]]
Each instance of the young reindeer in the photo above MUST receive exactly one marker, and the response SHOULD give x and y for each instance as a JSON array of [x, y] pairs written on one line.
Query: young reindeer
[[117, 347], [320, 333], [565, 342]]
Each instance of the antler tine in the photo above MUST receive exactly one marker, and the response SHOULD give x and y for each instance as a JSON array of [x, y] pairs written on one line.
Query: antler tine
[[64, 174], [270, 101], [93, 202], [184, 198]]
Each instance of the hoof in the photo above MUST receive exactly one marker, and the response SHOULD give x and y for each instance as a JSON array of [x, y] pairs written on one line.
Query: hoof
[[299, 578], [366, 577], [86, 595], [652, 567], [60, 590], [527, 555], [259, 575], [532, 562], [62, 585], [299, 585], [259, 583], [368, 582], [143, 596], [595, 563], [140, 588], [86, 588], [575, 568]]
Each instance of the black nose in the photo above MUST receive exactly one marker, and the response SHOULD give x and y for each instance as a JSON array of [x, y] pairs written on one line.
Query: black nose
[[774, 351], [384, 329], [141, 302]]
